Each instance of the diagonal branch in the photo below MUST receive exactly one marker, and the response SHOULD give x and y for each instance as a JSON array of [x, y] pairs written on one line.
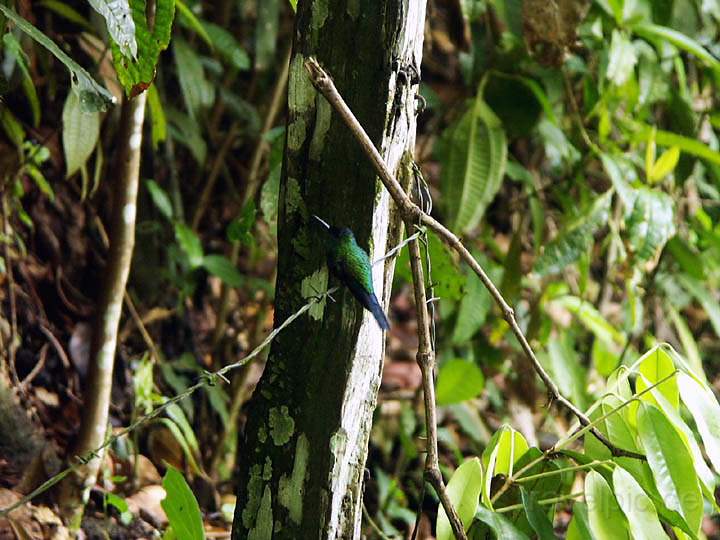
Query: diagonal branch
[[413, 214]]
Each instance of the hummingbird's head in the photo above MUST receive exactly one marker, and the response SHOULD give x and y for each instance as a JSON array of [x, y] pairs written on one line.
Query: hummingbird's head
[[335, 232]]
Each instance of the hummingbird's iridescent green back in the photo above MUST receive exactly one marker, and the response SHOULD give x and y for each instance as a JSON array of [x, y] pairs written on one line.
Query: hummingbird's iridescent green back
[[350, 259]]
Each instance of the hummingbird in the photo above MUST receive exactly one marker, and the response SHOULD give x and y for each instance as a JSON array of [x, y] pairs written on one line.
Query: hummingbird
[[351, 265]]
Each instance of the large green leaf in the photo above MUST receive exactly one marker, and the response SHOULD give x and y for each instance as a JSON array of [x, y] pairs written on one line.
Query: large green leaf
[[92, 96], [537, 517], [463, 489], [567, 370], [607, 522], [650, 223], [475, 164], [501, 527], [197, 91], [80, 133], [637, 506], [680, 40], [667, 138], [574, 240], [704, 407], [654, 366], [706, 298], [592, 319], [505, 448], [137, 73], [120, 24], [226, 44], [458, 380], [579, 528], [671, 465], [622, 58], [181, 507]]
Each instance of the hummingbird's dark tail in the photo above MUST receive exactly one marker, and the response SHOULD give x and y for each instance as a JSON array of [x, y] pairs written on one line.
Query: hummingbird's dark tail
[[370, 302]]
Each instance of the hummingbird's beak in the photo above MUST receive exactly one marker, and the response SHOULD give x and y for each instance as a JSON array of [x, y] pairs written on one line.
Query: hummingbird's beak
[[322, 222]]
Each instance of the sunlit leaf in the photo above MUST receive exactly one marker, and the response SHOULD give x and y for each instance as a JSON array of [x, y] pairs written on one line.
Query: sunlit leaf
[[190, 244], [607, 522], [656, 366], [622, 58], [665, 164], [500, 525], [463, 489], [458, 380], [637, 506], [703, 405], [680, 40], [671, 463]]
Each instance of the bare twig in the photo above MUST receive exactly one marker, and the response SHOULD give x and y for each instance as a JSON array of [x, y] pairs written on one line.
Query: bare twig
[[413, 214]]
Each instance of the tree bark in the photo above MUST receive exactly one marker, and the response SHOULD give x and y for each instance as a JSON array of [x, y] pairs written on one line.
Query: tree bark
[[303, 460]]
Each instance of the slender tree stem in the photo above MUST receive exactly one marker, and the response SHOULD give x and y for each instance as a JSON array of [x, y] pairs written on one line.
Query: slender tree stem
[[414, 214]]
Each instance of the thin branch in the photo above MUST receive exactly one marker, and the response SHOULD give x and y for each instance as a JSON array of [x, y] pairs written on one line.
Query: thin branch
[[426, 360], [413, 214]]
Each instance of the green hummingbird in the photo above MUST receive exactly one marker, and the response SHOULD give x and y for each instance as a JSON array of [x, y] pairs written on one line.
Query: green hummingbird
[[351, 265]]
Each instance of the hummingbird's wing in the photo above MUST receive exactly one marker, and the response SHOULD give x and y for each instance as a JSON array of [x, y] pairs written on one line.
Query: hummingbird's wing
[[355, 272]]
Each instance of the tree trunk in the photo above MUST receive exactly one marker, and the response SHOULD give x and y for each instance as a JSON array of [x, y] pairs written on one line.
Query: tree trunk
[[303, 460]]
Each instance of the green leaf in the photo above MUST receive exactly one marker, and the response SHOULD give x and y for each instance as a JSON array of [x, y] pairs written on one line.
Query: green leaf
[[189, 20], [160, 198], [680, 40], [157, 116], [92, 96], [459, 380], [80, 133], [707, 299], [579, 528], [475, 164], [293, 4], [669, 139], [592, 319], [690, 346], [650, 223], [474, 308], [607, 521], [637, 506], [505, 448], [239, 228], [190, 244], [537, 517], [197, 91], [665, 164], [181, 507], [448, 282], [463, 489], [703, 406], [221, 267], [136, 74], [671, 463], [186, 131], [120, 24], [226, 44], [14, 50], [622, 58], [574, 240], [500, 525], [567, 369], [655, 366]]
